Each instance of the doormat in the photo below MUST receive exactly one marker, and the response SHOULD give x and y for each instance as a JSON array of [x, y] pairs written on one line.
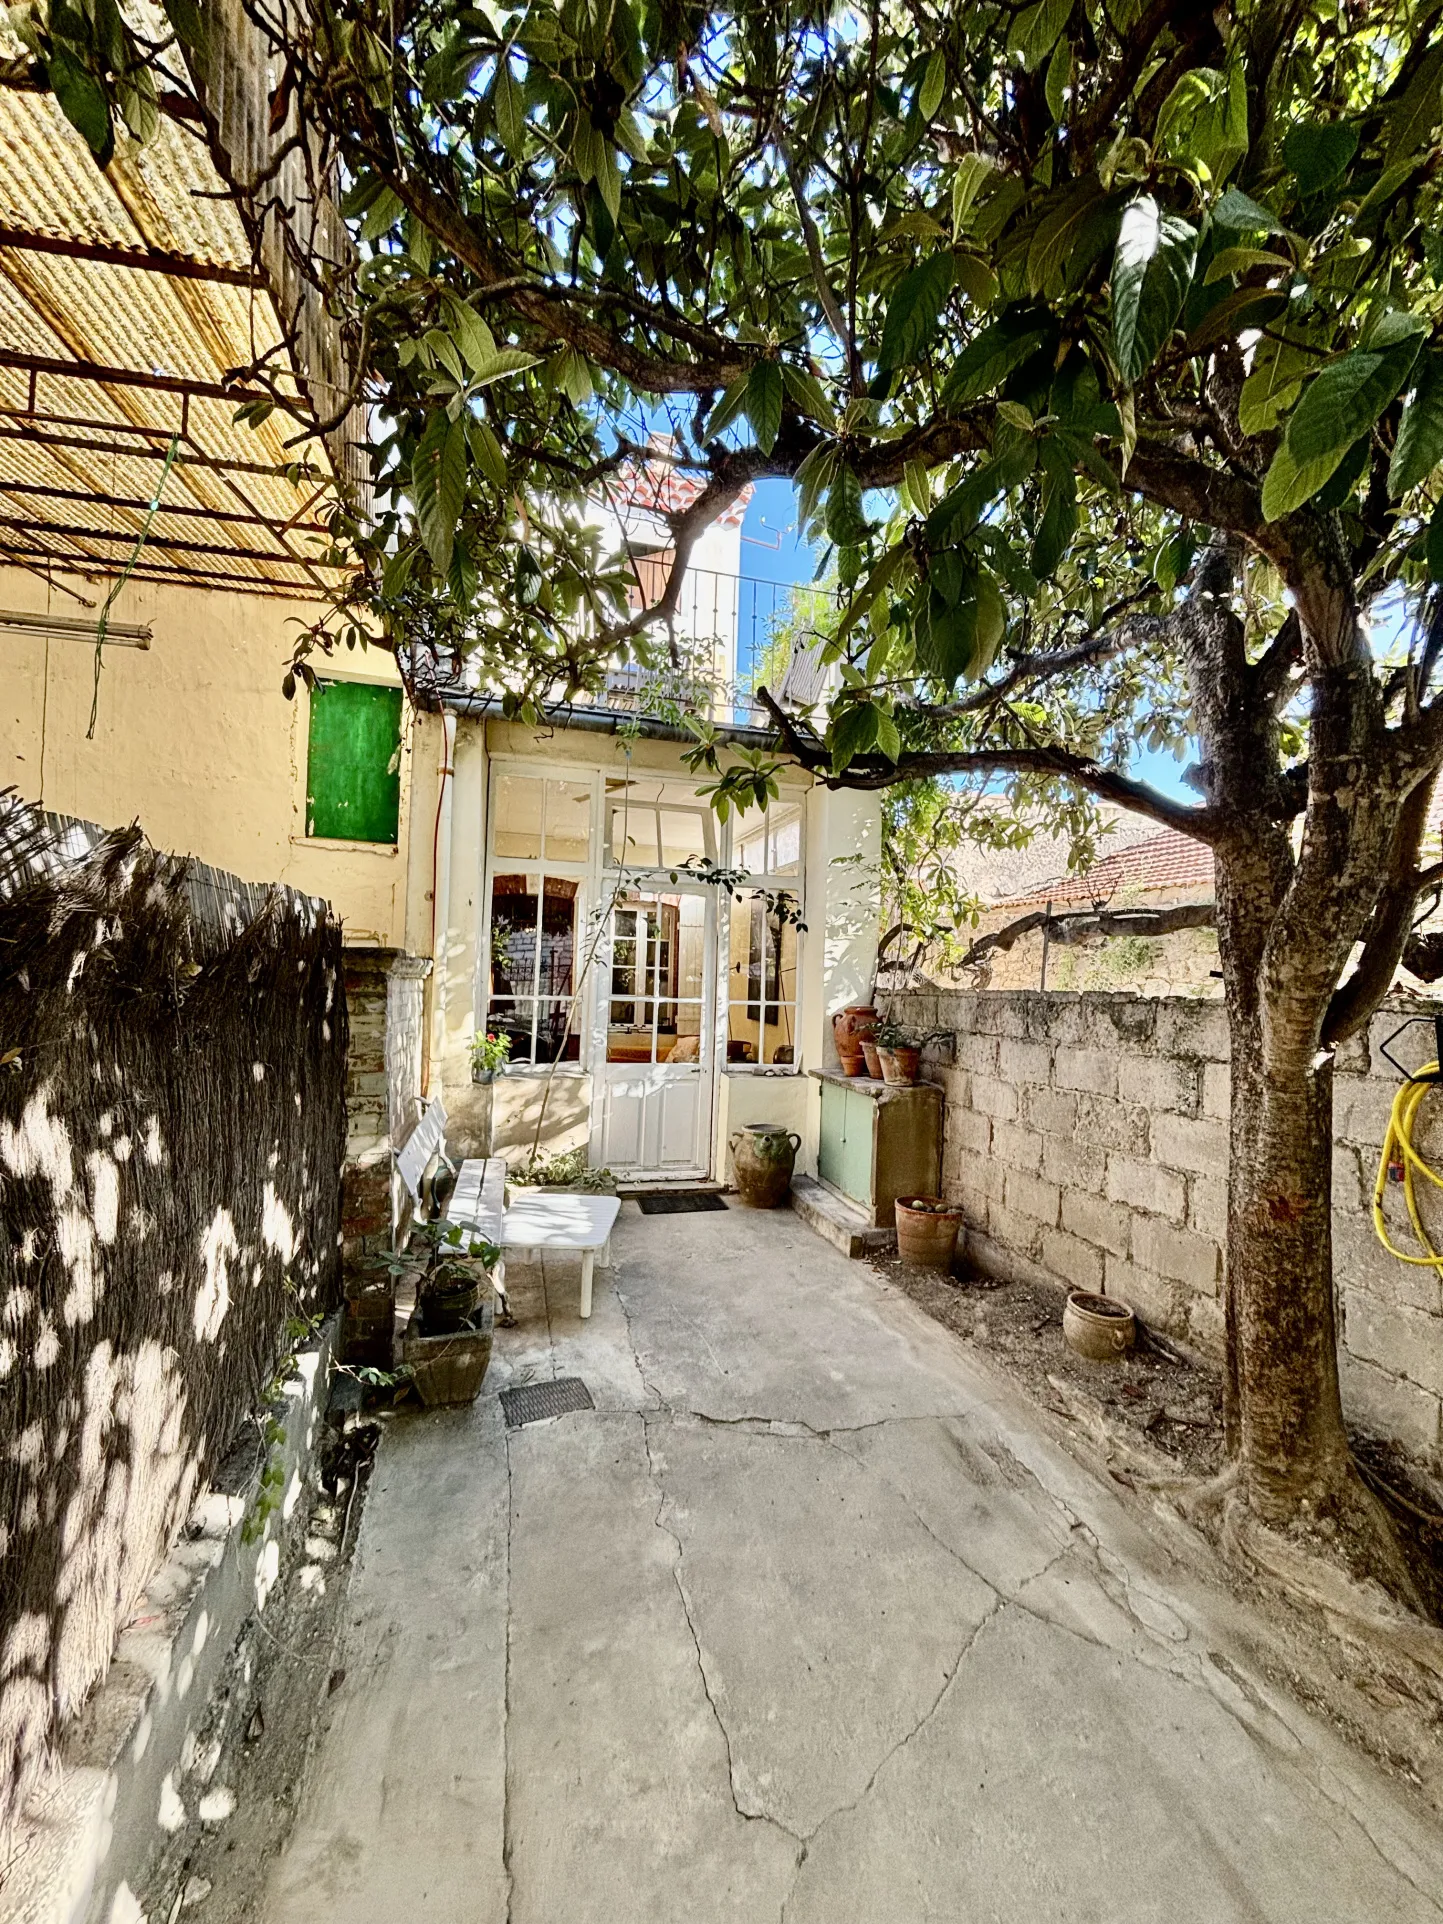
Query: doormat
[[534, 1402], [680, 1202]]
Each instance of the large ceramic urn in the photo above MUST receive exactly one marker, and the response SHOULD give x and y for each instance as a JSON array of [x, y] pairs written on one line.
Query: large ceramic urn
[[849, 1027], [763, 1157]]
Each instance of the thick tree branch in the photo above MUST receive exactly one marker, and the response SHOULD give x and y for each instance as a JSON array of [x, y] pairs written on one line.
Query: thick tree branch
[[1082, 924], [1388, 929]]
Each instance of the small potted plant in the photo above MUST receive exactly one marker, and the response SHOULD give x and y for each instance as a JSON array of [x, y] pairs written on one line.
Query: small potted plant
[[927, 1231], [447, 1344], [899, 1051], [489, 1052]]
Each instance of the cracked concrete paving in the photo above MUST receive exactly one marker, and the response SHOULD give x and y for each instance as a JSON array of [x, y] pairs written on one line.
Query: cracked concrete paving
[[806, 1623]]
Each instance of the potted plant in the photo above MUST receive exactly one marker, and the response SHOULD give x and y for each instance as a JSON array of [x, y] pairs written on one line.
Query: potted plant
[[899, 1050], [927, 1231], [447, 1344], [489, 1052]]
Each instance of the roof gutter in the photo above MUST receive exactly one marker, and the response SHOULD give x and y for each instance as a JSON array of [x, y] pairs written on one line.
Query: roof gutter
[[603, 721]]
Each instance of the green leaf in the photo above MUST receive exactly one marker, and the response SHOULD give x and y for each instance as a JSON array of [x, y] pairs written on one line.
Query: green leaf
[[397, 571], [1244, 216], [1238, 260], [487, 452], [889, 736], [506, 360], [608, 179], [986, 362], [82, 100], [967, 179], [1434, 548], [961, 508], [1059, 79], [1068, 238], [915, 310], [438, 485], [929, 97], [813, 478], [1419, 447], [1034, 32], [727, 409], [472, 336], [1346, 399], [1289, 482], [854, 732], [846, 524], [764, 403], [806, 391], [510, 105], [1058, 522], [1318, 153], [1411, 121], [975, 278], [1150, 274]]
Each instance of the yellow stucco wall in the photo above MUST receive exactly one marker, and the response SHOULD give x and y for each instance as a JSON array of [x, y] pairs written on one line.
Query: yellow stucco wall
[[194, 740]]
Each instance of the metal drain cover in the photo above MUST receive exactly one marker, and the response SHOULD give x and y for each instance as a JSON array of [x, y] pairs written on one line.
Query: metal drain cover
[[534, 1402]]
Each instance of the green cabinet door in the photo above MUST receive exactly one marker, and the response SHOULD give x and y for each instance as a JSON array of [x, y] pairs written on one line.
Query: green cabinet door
[[845, 1155]]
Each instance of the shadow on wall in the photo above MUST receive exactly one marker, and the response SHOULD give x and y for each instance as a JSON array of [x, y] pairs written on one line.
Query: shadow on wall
[[172, 1122]]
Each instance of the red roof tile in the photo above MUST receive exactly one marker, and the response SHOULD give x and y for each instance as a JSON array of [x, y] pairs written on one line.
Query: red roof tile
[[1170, 860]]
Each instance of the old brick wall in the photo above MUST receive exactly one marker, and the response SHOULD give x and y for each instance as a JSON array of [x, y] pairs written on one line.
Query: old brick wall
[[1086, 1139], [385, 998]]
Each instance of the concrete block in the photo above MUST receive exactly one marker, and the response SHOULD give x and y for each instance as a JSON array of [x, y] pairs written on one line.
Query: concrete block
[[1010, 1013], [955, 1084], [1053, 1112], [1156, 1299], [1076, 1264], [1019, 1061], [1410, 1416], [993, 1098], [1361, 1109], [1404, 1342], [968, 1131], [1216, 1087], [1017, 1146], [977, 1053], [1207, 1325], [1076, 1165], [1361, 1262], [1192, 1027], [1198, 1145], [1031, 1196], [1090, 1071], [1207, 1206], [1113, 1125], [1159, 1083], [1104, 1224], [1142, 1185], [1065, 1015], [1020, 1234], [1120, 1022], [1178, 1254]]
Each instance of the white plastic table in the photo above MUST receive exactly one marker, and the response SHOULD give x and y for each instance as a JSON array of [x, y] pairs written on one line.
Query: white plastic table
[[539, 1219]]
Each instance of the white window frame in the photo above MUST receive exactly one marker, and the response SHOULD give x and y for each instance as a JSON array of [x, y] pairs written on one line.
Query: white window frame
[[587, 874], [752, 881]]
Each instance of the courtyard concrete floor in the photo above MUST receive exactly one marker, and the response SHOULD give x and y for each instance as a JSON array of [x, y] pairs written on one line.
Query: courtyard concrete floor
[[808, 1622]]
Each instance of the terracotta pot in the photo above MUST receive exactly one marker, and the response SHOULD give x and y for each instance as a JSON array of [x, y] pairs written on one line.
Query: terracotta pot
[[848, 1027], [1101, 1328], [927, 1231], [763, 1157], [902, 1065], [871, 1058]]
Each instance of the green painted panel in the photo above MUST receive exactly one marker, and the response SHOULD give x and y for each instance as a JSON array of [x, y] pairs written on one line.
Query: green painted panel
[[353, 765], [844, 1157]]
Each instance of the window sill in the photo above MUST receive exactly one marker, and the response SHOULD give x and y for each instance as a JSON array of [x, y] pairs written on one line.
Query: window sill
[[336, 846], [535, 1071], [766, 1071]]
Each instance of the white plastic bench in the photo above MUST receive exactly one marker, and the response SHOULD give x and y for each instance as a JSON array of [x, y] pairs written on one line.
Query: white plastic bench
[[478, 1202]]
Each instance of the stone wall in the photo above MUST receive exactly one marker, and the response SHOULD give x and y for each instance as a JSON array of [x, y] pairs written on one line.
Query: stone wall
[[385, 999], [1086, 1138]]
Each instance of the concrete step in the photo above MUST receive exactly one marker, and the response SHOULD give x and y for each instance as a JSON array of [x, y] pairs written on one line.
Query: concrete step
[[840, 1222]]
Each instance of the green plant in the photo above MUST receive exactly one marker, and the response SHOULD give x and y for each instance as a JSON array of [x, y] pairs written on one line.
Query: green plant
[[567, 1171], [490, 1052], [895, 1035]]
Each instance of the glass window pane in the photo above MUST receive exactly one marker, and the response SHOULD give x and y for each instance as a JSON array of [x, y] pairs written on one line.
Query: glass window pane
[[568, 821], [683, 836], [629, 1033], [558, 936], [631, 840], [516, 824], [514, 913], [751, 844], [743, 1034], [557, 1039], [779, 1033], [517, 1020], [784, 839]]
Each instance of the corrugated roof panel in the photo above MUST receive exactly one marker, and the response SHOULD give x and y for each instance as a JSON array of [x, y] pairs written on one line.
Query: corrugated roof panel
[[48, 181]]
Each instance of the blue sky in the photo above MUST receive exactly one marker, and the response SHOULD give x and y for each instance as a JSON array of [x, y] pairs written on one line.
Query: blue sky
[[772, 551]]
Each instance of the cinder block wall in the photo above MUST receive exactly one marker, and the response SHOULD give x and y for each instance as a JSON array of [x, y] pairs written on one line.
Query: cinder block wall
[[1086, 1139]]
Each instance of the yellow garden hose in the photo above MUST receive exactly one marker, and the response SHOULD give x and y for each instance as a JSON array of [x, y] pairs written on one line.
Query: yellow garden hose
[[1398, 1148]]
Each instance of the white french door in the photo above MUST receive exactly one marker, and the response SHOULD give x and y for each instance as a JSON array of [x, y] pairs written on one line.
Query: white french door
[[654, 1047]]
